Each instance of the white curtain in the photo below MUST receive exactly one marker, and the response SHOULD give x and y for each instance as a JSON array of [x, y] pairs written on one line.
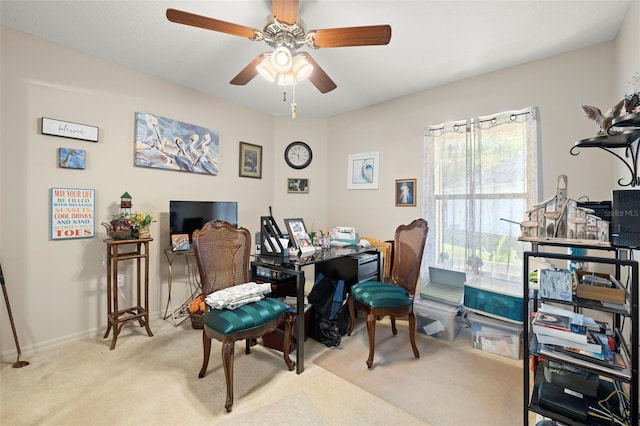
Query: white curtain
[[480, 176]]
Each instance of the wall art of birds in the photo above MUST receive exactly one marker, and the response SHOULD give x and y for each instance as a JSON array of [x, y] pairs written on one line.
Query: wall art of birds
[[602, 120]]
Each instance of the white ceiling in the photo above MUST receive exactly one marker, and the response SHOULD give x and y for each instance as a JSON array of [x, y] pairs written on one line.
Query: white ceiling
[[433, 42]]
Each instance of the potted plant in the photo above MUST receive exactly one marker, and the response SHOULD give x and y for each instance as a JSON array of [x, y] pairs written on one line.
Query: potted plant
[[120, 227], [141, 222]]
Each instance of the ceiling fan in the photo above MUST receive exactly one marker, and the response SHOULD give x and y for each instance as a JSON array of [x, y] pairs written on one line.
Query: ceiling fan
[[285, 31]]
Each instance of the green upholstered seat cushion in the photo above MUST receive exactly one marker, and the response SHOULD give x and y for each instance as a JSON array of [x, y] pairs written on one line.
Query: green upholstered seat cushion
[[380, 295], [245, 317]]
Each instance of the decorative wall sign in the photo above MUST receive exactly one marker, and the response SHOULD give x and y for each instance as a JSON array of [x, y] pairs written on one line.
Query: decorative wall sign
[[72, 213], [406, 192], [67, 129], [250, 160], [71, 158], [297, 186], [163, 143], [363, 171]]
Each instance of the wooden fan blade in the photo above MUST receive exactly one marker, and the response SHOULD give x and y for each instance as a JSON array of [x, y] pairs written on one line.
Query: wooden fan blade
[[186, 18], [286, 11], [318, 77], [248, 72], [371, 35]]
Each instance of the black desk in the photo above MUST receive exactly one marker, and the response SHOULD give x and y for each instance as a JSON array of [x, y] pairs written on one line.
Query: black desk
[[293, 265]]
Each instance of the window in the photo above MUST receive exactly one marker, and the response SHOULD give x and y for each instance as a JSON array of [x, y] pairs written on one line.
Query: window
[[480, 176]]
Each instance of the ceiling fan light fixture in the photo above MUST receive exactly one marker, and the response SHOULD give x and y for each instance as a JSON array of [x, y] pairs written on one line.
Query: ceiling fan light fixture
[[301, 68], [266, 69], [282, 59], [287, 79]]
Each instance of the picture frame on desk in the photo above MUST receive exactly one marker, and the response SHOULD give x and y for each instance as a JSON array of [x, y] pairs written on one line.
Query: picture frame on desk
[[299, 235], [180, 242]]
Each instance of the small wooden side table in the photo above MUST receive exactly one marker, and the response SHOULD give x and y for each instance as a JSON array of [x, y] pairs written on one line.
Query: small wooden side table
[[116, 316]]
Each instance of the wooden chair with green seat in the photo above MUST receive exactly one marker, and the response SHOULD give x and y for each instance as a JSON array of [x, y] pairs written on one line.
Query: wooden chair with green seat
[[395, 299], [223, 252]]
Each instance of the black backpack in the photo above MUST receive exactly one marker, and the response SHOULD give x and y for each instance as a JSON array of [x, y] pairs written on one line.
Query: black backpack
[[330, 315]]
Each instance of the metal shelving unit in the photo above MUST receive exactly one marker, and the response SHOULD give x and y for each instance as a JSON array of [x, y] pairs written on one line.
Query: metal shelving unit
[[625, 379]]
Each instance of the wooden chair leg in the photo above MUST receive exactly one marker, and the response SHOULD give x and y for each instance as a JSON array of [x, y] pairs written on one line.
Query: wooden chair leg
[[412, 334], [394, 329], [227, 362], [352, 314], [371, 329], [247, 346], [286, 347], [206, 345]]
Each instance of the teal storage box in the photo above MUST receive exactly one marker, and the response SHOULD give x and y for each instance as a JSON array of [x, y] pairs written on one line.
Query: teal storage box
[[495, 298]]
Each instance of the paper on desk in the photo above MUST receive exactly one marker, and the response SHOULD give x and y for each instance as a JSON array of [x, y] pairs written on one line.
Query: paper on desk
[[274, 242]]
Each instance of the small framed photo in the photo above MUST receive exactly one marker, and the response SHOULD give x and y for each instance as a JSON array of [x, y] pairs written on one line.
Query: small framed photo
[[363, 171], [297, 186], [250, 160], [180, 242], [406, 192], [71, 158], [298, 234]]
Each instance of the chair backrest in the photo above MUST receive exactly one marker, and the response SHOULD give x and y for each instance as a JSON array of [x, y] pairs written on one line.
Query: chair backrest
[[407, 254], [222, 252]]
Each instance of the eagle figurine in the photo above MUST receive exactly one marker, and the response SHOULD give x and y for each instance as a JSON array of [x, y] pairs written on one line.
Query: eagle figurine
[[602, 120]]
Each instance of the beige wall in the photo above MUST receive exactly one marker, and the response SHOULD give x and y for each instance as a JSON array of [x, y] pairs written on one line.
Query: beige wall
[[57, 288], [556, 85]]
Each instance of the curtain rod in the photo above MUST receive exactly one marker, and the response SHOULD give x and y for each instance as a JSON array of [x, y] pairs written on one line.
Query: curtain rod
[[512, 117]]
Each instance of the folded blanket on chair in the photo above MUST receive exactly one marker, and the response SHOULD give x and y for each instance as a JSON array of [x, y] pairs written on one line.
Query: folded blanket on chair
[[238, 295]]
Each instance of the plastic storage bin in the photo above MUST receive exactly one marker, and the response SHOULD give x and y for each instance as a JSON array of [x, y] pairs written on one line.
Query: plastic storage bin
[[496, 336], [436, 319], [495, 298]]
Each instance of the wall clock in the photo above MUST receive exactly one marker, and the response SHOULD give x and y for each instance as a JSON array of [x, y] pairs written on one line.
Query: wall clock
[[298, 155]]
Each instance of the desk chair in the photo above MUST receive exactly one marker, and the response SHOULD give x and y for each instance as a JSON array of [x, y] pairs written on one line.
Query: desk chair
[[222, 252], [395, 299]]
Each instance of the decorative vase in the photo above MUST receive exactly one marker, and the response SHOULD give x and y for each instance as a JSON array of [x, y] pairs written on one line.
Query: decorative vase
[[144, 232]]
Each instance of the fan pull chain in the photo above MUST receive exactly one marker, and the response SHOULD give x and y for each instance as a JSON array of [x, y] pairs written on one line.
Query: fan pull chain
[[294, 105]]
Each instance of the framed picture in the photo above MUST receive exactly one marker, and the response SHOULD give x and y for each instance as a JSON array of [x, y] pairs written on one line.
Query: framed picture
[[70, 130], [165, 143], [298, 234], [180, 242], [363, 171], [250, 160], [71, 158], [297, 186], [73, 213], [406, 192]]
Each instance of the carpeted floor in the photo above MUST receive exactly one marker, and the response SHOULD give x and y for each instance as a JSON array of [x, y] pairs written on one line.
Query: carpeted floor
[[450, 384], [154, 381]]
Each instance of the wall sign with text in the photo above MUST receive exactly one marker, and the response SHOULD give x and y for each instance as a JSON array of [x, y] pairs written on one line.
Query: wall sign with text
[[66, 129], [73, 212]]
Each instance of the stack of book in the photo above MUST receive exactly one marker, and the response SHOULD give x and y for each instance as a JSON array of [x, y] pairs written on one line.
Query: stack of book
[[559, 331]]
